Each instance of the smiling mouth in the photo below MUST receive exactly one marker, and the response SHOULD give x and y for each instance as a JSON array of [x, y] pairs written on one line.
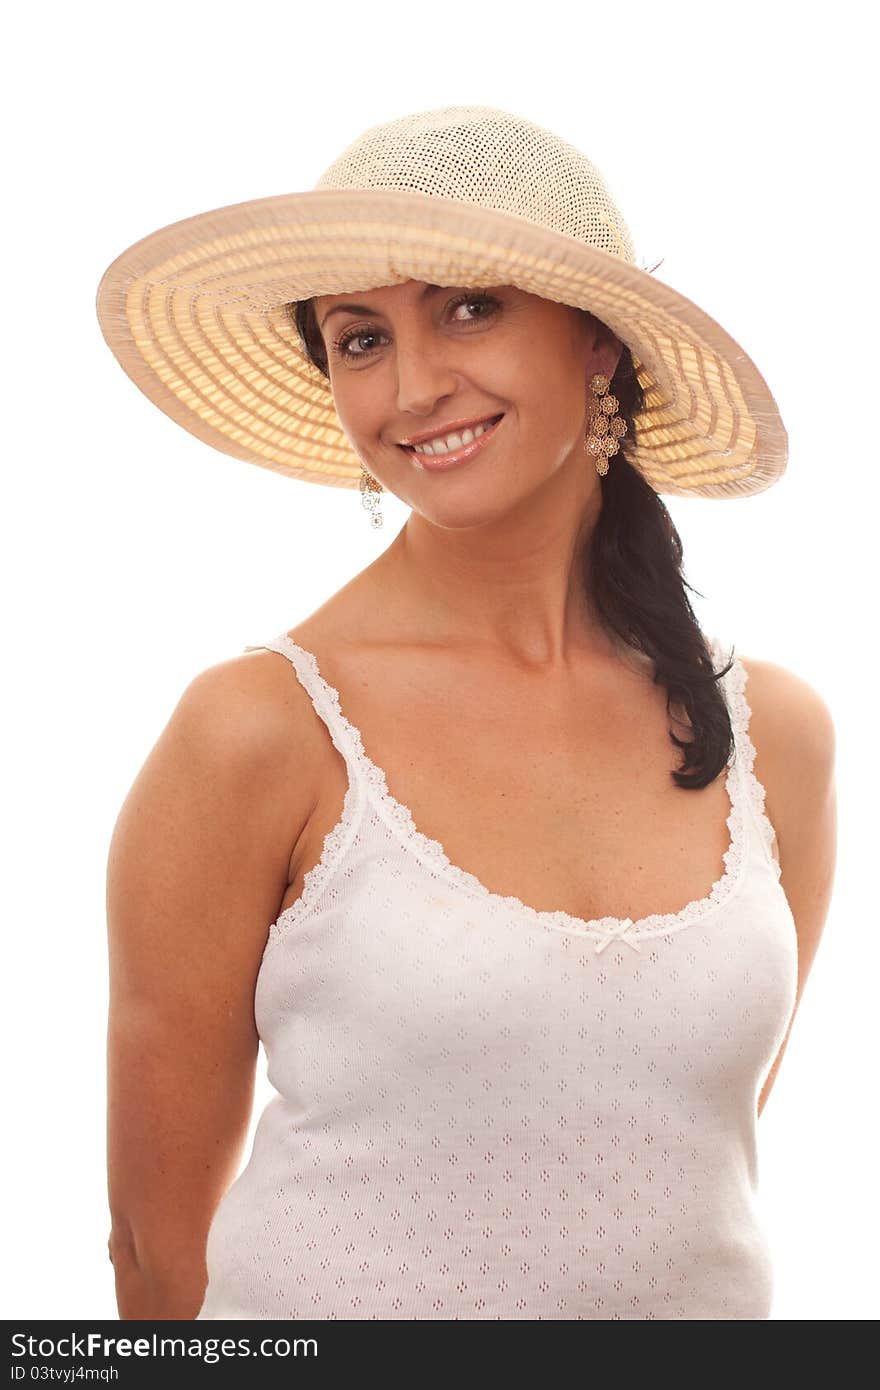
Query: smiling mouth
[[484, 425], [452, 459]]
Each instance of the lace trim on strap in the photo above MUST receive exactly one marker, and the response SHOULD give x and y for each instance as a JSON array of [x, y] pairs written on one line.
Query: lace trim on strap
[[736, 681], [323, 697], [602, 929], [337, 839], [336, 842]]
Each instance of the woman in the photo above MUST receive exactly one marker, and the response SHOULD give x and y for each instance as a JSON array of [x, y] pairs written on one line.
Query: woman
[[540, 921]]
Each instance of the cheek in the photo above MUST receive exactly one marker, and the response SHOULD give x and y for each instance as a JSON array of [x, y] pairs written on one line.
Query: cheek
[[357, 412], [557, 402]]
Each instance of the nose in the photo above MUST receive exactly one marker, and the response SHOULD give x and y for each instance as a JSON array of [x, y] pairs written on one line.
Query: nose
[[425, 371]]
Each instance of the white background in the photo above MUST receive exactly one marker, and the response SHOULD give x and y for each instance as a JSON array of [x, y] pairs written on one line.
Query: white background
[[737, 140]]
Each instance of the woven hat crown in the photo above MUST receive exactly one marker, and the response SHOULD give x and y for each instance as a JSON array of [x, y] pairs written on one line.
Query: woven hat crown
[[492, 159]]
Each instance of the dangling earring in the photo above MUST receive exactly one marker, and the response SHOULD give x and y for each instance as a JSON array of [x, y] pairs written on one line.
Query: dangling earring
[[370, 490], [606, 427]]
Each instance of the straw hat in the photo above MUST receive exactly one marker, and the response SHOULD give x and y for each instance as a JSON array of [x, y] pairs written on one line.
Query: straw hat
[[463, 195]]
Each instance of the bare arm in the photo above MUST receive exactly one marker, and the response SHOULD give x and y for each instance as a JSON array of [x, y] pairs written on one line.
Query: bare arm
[[198, 865], [794, 737]]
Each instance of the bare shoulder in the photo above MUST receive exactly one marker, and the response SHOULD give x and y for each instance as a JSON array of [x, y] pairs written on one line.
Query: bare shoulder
[[241, 753], [793, 732], [253, 710], [225, 791], [791, 725]]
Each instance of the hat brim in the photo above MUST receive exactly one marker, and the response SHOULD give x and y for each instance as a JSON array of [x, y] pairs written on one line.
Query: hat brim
[[195, 315]]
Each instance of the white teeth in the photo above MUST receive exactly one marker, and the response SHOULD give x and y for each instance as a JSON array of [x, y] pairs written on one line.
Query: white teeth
[[452, 441]]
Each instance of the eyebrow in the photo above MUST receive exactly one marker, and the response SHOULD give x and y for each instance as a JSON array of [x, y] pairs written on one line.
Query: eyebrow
[[366, 309]]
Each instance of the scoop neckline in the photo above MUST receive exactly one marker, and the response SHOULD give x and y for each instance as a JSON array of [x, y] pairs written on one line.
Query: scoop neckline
[[399, 817]]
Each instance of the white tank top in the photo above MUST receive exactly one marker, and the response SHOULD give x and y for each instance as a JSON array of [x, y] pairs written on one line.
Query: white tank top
[[488, 1111]]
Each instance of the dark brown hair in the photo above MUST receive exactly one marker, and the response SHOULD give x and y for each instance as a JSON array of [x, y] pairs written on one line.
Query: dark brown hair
[[633, 577]]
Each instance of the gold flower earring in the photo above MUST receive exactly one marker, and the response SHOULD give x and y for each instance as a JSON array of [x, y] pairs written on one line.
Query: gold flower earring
[[606, 427], [370, 491]]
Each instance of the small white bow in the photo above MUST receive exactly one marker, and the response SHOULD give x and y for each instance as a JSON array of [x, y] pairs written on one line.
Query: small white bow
[[619, 932]]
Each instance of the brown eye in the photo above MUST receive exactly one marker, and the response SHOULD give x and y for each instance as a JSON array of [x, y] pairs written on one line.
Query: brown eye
[[486, 301], [356, 334], [350, 336]]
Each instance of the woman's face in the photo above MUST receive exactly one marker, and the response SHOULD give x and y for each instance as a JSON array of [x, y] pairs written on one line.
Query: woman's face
[[416, 357]]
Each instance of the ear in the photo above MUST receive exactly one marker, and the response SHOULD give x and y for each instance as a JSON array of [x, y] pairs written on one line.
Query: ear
[[614, 358], [607, 349]]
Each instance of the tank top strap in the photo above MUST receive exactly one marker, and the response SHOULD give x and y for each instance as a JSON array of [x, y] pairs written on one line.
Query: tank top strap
[[323, 697], [749, 790]]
